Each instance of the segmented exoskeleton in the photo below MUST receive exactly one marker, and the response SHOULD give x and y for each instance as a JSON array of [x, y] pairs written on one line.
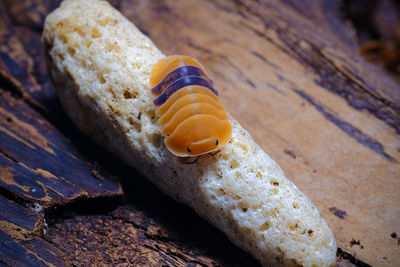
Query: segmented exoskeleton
[[193, 118]]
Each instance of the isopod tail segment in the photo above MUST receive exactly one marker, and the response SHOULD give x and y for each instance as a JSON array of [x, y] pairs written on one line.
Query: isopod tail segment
[[193, 118]]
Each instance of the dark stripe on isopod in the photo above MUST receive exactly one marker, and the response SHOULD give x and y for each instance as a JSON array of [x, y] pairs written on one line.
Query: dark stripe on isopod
[[187, 70], [179, 84]]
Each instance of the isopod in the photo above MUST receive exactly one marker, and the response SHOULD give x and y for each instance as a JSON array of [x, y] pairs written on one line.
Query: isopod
[[193, 118]]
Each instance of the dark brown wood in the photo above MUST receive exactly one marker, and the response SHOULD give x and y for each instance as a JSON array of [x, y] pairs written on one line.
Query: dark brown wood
[[129, 237], [40, 165], [290, 72], [20, 242]]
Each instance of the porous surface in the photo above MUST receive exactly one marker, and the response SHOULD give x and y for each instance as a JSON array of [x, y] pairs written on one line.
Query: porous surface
[[100, 64]]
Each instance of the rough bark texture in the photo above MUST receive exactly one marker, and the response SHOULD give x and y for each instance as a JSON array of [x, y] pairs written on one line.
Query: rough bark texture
[[290, 73]]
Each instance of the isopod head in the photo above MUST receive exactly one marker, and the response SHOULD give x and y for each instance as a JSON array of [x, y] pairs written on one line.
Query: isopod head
[[199, 134]]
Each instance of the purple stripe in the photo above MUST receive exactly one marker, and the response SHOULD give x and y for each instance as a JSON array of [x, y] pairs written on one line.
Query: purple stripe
[[187, 70], [179, 84]]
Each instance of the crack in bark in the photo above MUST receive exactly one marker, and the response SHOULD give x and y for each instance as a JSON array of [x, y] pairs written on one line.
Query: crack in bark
[[240, 73], [341, 254], [355, 91], [10, 195], [181, 257], [82, 206], [10, 86], [176, 256], [149, 235], [7, 156], [347, 128]]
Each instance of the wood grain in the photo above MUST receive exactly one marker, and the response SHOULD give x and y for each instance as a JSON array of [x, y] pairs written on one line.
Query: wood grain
[[38, 164], [290, 73], [128, 236], [329, 118], [19, 242]]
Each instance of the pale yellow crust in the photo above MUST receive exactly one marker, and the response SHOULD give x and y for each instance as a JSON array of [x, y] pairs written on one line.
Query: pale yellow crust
[[100, 64]]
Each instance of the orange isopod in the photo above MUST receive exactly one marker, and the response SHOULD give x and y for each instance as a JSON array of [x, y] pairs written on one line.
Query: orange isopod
[[193, 118]]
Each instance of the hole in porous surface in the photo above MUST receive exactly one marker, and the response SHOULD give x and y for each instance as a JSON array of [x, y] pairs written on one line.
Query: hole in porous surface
[[102, 80], [234, 164], [155, 139], [136, 65], [295, 205], [110, 90], [293, 227], [238, 175], [325, 242], [129, 95], [221, 192], [275, 191], [244, 147], [275, 213], [79, 31], [63, 39], [111, 46], [243, 206], [265, 226], [96, 33], [280, 252], [136, 125], [71, 50], [151, 114], [274, 182], [110, 107], [104, 22], [310, 233]]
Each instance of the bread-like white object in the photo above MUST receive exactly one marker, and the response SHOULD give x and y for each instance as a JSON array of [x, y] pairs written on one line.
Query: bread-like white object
[[100, 64]]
